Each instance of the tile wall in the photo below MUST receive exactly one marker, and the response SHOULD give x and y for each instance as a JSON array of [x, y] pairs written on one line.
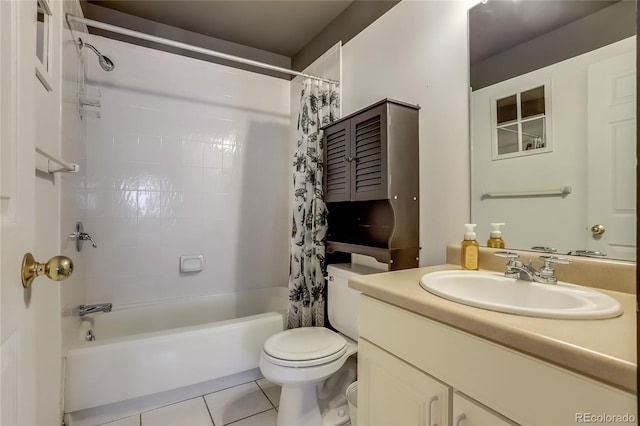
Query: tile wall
[[188, 157]]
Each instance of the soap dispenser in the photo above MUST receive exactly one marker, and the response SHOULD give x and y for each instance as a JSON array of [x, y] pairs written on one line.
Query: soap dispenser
[[495, 236], [470, 248]]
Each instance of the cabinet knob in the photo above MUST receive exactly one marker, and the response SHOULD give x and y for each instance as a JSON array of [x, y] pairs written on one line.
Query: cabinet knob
[[461, 418]]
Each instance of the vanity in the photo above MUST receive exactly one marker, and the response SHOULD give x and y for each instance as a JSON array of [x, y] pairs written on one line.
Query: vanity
[[425, 360]]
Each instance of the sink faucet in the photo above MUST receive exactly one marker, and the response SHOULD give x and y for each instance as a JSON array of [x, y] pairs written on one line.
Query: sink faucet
[[90, 309], [518, 270]]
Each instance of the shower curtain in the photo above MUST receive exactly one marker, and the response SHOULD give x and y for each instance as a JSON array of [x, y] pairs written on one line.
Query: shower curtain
[[319, 105]]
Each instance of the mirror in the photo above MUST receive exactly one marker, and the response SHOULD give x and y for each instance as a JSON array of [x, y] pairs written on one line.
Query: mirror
[[553, 125]]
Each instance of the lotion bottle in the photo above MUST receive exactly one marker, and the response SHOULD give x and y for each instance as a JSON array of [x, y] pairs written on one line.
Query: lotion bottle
[[470, 248], [495, 236]]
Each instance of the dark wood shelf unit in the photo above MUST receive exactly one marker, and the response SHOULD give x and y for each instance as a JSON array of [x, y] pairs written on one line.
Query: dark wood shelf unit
[[371, 183]]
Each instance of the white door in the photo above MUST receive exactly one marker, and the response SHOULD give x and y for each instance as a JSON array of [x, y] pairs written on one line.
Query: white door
[[30, 378], [612, 157]]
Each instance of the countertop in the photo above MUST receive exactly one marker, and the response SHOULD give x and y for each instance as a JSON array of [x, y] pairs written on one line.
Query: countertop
[[601, 349]]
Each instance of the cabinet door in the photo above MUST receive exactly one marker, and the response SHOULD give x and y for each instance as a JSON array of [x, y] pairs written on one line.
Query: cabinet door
[[336, 159], [369, 151], [467, 412], [392, 392]]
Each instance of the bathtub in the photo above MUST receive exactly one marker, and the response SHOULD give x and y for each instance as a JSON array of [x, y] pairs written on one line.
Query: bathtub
[[143, 350]]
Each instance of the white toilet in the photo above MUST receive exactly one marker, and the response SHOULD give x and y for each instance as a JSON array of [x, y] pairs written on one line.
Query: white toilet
[[300, 358]]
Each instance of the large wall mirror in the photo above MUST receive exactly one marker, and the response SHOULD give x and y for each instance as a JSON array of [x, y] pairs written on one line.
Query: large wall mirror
[[553, 124]]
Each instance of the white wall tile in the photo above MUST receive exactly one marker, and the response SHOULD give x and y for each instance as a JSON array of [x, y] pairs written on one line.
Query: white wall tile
[[149, 149], [182, 166]]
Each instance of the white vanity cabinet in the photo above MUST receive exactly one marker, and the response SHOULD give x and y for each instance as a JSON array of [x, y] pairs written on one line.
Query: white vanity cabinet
[[467, 412], [406, 359], [396, 393]]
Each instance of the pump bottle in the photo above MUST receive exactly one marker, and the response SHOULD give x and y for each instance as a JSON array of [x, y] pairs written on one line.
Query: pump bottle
[[495, 236], [470, 248]]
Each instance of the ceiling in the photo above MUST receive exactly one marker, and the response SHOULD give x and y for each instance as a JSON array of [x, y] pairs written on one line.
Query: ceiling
[[282, 27], [499, 25], [285, 27]]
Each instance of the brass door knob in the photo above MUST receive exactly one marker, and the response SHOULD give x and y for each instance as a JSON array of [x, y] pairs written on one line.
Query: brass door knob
[[598, 229], [58, 268]]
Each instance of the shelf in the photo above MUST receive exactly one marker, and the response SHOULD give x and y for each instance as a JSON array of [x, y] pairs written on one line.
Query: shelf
[[381, 254]]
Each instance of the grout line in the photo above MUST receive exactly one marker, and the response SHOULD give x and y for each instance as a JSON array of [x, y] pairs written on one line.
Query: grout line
[[208, 410], [244, 418], [140, 419], [265, 395]]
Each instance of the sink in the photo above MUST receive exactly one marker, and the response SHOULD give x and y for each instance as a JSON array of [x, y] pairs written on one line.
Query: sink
[[495, 292]]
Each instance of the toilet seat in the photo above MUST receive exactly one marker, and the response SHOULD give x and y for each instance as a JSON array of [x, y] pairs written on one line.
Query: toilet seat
[[304, 347]]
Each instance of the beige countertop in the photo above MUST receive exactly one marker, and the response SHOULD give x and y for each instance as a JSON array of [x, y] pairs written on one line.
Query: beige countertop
[[602, 349]]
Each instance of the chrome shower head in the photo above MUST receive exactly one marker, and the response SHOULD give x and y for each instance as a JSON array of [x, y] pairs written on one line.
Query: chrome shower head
[[106, 63]]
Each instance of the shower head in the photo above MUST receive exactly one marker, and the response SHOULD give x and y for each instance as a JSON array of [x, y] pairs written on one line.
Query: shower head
[[106, 63]]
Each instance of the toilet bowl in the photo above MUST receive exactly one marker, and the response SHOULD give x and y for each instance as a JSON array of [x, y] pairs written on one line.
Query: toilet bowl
[[315, 354], [301, 358]]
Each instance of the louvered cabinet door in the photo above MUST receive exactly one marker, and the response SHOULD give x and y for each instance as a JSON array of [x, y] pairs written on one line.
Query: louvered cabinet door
[[369, 153], [337, 154]]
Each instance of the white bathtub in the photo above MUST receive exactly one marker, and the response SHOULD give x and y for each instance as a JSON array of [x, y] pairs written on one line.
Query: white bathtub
[[163, 346]]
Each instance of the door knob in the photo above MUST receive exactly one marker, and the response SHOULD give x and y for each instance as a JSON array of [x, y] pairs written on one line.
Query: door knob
[[58, 268], [598, 229]]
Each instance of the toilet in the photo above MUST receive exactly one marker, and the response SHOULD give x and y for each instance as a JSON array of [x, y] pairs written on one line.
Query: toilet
[[301, 358]]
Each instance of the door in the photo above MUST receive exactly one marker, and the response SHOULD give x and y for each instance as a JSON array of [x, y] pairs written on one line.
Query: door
[[30, 378], [336, 159], [369, 153], [612, 157], [392, 392]]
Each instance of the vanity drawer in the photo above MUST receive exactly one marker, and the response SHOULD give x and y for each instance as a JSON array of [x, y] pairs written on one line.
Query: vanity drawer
[[518, 386]]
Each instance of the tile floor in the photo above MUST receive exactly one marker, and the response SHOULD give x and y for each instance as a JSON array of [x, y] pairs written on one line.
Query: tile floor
[[251, 404]]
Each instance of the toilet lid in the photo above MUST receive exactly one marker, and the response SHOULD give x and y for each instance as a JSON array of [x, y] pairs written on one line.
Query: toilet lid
[[307, 343]]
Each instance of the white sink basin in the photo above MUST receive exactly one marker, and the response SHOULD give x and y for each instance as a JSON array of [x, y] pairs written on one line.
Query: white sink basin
[[495, 292]]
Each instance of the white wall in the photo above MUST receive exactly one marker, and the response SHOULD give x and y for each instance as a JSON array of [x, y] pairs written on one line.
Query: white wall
[[189, 157], [559, 222], [417, 53]]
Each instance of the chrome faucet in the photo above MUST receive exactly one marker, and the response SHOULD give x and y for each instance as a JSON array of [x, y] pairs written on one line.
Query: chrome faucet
[[518, 270], [90, 309]]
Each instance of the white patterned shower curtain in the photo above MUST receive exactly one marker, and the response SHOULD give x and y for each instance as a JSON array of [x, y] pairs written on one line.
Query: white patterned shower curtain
[[319, 105]]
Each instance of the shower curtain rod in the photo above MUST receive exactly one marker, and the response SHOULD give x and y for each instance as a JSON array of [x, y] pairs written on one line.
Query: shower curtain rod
[[185, 46]]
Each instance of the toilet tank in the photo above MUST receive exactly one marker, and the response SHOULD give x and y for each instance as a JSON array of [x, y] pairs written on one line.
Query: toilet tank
[[343, 302]]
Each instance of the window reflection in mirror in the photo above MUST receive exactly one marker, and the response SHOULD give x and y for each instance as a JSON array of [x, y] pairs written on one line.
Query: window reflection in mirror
[[520, 124], [42, 33], [43, 43], [540, 72]]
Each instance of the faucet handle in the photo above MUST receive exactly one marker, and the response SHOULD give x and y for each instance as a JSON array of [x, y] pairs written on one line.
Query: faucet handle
[[508, 254], [548, 260], [546, 271]]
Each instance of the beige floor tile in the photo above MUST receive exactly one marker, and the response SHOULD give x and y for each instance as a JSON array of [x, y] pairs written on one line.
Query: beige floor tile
[[236, 403], [267, 418], [192, 412], [127, 421], [271, 389]]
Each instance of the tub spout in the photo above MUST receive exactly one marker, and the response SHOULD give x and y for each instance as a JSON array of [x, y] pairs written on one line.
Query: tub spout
[[90, 309]]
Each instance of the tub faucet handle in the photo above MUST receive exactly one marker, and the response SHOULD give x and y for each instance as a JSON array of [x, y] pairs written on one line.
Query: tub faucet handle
[[80, 236]]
